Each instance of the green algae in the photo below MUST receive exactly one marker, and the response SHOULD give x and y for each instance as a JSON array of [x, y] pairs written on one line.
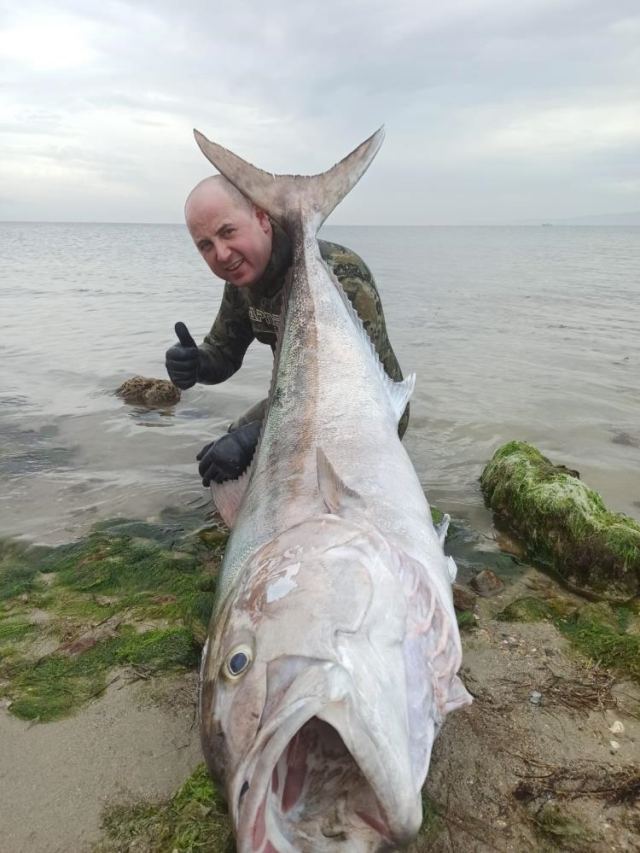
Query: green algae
[[161, 650], [58, 684], [597, 630], [599, 636], [528, 609], [194, 819], [18, 576], [14, 630], [559, 831], [432, 824], [126, 576], [564, 523], [466, 620], [141, 574]]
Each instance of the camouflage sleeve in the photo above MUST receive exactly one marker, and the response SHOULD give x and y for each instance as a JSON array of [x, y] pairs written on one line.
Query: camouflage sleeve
[[223, 349], [359, 285]]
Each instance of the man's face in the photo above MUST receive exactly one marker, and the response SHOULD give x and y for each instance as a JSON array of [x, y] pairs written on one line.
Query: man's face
[[234, 240]]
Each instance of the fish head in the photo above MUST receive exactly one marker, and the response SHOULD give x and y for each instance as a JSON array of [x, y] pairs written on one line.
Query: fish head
[[307, 705]]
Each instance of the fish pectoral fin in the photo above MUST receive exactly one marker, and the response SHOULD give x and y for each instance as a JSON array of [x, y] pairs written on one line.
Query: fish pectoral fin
[[336, 494], [228, 496]]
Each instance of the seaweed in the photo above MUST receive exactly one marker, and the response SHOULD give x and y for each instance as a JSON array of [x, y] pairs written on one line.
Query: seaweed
[[193, 819], [130, 594], [564, 524]]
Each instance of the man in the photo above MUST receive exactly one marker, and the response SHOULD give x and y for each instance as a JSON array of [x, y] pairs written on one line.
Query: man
[[241, 245]]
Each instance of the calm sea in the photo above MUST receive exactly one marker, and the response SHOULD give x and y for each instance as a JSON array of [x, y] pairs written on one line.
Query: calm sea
[[529, 333]]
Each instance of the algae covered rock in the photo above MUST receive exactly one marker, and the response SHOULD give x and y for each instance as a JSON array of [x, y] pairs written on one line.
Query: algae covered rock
[[562, 522], [148, 392]]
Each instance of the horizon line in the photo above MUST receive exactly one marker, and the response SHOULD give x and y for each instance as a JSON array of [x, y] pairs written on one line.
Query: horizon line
[[565, 222]]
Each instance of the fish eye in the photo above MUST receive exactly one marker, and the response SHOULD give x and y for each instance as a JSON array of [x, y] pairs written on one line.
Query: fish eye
[[237, 663]]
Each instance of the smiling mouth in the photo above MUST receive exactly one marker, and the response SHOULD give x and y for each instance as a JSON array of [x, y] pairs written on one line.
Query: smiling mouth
[[235, 266]]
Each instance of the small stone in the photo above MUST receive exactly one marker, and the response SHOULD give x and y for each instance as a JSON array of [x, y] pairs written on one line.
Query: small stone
[[617, 728], [463, 597], [615, 746], [535, 697], [487, 583]]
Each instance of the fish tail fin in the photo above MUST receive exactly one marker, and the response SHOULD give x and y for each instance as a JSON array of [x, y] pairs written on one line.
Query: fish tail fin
[[285, 197]]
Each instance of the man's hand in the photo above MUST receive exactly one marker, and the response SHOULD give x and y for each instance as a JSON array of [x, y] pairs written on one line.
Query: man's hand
[[229, 456], [183, 359]]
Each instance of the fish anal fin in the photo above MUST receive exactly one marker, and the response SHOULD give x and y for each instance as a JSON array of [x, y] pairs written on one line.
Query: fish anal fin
[[228, 496], [335, 493]]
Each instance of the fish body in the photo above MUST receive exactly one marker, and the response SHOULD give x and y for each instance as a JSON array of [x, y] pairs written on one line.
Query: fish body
[[333, 648]]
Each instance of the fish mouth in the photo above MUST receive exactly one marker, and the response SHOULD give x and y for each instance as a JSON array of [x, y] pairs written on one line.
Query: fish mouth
[[316, 780]]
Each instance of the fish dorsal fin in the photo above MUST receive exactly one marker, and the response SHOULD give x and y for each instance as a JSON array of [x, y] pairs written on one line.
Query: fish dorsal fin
[[335, 493], [228, 496], [399, 393]]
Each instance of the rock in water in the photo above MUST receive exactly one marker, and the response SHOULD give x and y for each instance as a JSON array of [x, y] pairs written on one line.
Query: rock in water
[[149, 392], [487, 583], [563, 523]]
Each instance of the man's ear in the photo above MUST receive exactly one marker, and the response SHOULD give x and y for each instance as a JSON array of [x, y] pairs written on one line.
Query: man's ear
[[263, 219]]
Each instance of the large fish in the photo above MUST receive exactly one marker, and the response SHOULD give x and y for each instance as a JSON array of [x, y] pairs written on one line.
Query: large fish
[[333, 649]]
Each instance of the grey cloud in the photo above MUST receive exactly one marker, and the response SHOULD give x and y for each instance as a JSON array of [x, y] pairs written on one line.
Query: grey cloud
[[295, 86]]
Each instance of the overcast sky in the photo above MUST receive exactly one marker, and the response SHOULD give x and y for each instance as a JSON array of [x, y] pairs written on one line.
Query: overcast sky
[[496, 110]]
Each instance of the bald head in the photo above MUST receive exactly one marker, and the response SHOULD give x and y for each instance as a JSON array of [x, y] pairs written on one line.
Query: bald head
[[233, 235], [210, 189]]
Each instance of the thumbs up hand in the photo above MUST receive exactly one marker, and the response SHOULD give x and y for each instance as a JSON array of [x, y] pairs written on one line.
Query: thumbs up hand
[[182, 359]]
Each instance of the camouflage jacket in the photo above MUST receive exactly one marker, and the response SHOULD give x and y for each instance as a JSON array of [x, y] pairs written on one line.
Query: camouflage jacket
[[252, 312]]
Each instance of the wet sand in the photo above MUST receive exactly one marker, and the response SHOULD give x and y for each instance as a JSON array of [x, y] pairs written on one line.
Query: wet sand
[[56, 778]]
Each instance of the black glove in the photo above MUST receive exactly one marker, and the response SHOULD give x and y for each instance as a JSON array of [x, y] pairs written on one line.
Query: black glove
[[230, 456], [183, 359]]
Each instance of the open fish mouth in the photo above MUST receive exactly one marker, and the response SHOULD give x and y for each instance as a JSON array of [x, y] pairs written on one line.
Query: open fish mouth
[[314, 781], [315, 798]]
